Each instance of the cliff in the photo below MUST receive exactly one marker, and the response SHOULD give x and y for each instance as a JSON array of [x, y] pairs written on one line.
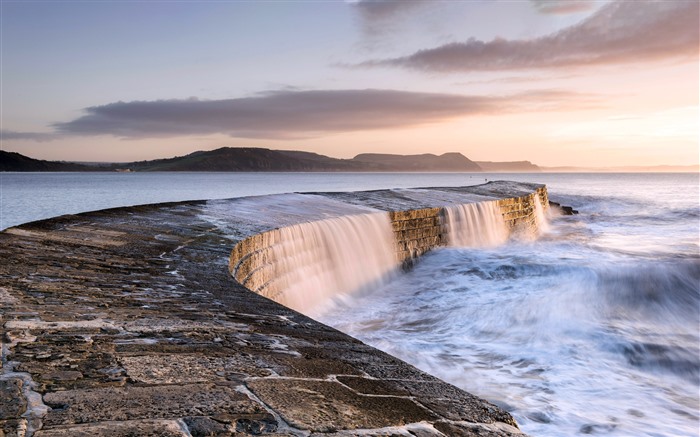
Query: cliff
[[425, 162], [509, 166]]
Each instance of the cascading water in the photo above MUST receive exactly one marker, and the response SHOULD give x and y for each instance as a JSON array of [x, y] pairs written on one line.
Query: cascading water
[[540, 215], [320, 260], [476, 225]]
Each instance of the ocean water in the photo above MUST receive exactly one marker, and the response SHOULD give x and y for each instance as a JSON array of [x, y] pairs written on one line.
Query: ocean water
[[593, 328], [26, 197]]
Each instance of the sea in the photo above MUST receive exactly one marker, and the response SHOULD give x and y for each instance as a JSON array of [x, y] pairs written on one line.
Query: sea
[[591, 329]]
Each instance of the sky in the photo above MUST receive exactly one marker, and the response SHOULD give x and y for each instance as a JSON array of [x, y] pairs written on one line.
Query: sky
[[556, 82]]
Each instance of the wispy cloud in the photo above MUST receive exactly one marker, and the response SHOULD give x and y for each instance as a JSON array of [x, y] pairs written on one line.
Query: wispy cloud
[[561, 7], [379, 16], [383, 9], [618, 33], [303, 114], [28, 136], [518, 79]]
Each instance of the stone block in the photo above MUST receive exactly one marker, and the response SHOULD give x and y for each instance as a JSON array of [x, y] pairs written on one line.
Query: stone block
[[151, 428], [252, 424], [12, 401], [13, 428], [454, 404], [132, 403], [206, 427], [372, 386], [327, 406]]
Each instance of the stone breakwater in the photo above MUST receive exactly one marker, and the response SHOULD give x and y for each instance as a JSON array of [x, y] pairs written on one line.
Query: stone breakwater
[[127, 322], [256, 266]]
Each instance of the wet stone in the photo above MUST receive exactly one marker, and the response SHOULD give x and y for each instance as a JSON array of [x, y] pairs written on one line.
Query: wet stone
[[62, 375], [256, 424], [206, 427], [132, 428], [455, 404], [13, 428], [326, 406], [372, 386], [476, 430], [12, 402], [129, 403], [310, 367], [178, 369]]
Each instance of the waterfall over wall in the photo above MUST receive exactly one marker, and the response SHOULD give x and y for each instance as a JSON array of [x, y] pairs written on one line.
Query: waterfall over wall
[[318, 260], [476, 225], [540, 215], [304, 265]]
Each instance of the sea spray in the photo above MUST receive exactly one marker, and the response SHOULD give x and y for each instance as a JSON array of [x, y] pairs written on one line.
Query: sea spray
[[320, 260], [476, 225], [593, 329]]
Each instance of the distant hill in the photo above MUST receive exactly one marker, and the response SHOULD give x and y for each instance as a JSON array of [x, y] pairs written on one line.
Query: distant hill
[[510, 166], [255, 159], [249, 159], [425, 162], [11, 161], [259, 159], [246, 159]]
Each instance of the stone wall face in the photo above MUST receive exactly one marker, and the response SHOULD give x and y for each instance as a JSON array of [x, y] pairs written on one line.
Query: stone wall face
[[252, 263], [416, 232], [519, 212]]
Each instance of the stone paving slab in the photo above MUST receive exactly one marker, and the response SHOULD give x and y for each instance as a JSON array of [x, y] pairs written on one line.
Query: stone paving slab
[[129, 403], [135, 428], [326, 406]]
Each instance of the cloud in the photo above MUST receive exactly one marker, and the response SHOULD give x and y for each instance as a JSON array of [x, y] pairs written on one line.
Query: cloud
[[28, 136], [380, 16], [300, 114], [518, 79], [562, 6], [618, 33], [385, 9]]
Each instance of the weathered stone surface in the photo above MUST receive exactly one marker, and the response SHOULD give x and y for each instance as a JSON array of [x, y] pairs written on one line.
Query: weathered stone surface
[[113, 404], [311, 367], [373, 386], [13, 428], [130, 428], [328, 406], [455, 404], [206, 427], [254, 424], [12, 401], [477, 429], [178, 369]]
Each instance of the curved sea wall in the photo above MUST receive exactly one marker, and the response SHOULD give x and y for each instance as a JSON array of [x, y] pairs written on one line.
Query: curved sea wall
[[127, 321], [258, 264]]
